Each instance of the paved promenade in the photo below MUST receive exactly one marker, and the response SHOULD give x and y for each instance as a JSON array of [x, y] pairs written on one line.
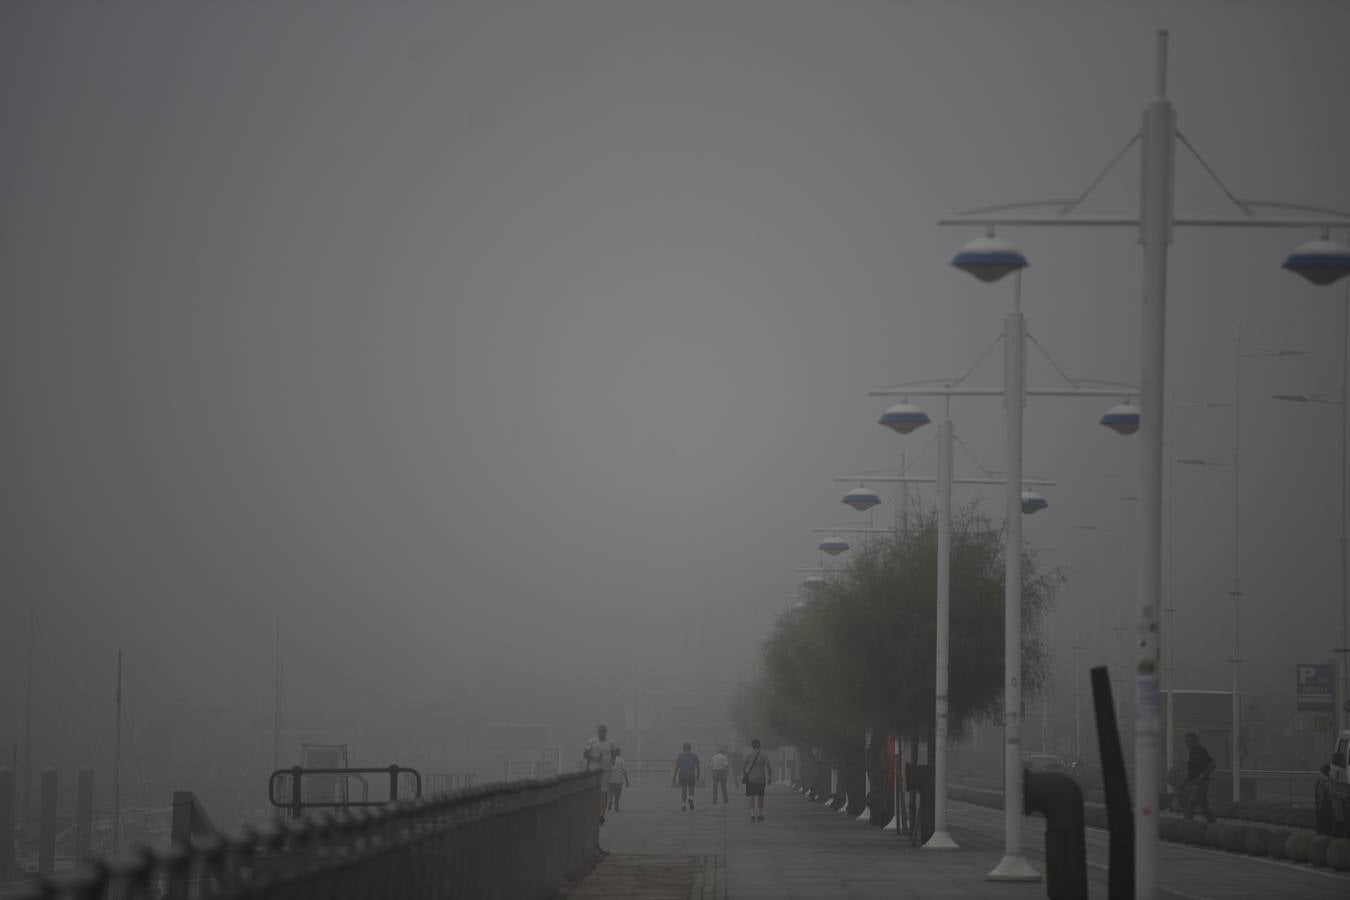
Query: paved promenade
[[803, 850]]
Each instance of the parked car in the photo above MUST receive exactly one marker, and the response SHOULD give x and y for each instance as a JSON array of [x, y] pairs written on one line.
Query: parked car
[[1331, 793]]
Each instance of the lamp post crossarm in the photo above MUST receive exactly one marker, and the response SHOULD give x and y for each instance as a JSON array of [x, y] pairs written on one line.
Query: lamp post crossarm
[[1189, 220], [928, 479], [901, 391], [1331, 398]]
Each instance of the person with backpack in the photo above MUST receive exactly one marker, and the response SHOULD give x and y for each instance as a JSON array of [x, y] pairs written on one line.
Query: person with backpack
[[755, 774]]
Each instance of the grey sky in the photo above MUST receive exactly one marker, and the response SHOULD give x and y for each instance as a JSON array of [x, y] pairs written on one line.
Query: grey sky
[[500, 348]]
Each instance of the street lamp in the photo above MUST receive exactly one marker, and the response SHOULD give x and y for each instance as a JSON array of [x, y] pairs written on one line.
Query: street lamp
[[905, 418], [1324, 262], [833, 545], [1254, 352], [1342, 713], [1155, 221], [862, 499], [989, 259], [1236, 594], [1122, 418]]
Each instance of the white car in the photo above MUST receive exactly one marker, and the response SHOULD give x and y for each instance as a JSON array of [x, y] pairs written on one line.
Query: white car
[[1331, 795]]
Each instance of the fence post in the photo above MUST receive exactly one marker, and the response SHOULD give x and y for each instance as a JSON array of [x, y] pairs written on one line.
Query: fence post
[[47, 826], [84, 815], [297, 799]]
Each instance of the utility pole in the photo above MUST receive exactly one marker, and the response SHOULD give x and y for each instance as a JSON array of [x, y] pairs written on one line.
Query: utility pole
[[117, 761], [28, 719], [276, 703]]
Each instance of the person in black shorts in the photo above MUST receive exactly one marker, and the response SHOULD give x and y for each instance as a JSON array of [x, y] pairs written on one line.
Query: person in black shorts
[[755, 774], [687, 770]]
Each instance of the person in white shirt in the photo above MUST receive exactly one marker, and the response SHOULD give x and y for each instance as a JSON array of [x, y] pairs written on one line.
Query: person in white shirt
[[598, 755], [720, 766], [618, 778]]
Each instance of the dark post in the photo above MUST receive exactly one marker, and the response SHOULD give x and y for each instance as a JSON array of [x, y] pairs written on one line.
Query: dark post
[[296, 796], [47, 828], [1119, 812], [6, 823], [1059, 798], [84, 815], [920, 782], [393, 783]]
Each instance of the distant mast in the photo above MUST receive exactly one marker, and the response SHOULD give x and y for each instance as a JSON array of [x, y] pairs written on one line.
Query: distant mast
[[28, 718], [117, 761], [276, 703]]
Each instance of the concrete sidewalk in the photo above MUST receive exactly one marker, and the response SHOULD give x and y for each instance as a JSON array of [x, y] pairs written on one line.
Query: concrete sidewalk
[[801, 850], [805, 850]]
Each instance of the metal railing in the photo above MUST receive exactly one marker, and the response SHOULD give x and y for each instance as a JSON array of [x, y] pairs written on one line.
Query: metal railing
[[299, 796], [517, 840]]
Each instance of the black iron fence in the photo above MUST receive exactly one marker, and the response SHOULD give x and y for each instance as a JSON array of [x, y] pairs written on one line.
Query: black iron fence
[[518, 840]]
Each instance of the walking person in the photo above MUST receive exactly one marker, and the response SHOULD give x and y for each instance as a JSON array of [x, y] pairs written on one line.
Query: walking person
[[755, 774], [1199, 767], [687, 771], [720, 766], [599, 755], [618, 777]]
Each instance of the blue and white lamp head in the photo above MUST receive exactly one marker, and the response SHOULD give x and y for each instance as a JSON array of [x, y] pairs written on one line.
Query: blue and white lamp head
[[989, 258], [1033, 502], [833, 545], [1122, 418], [904, 418], [862, 499], [1321, 262]]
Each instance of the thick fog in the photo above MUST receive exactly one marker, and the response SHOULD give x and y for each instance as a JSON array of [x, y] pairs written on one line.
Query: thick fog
[[506, 353]]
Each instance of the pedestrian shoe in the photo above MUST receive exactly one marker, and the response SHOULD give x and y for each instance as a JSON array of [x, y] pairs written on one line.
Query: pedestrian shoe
[[691, 802]]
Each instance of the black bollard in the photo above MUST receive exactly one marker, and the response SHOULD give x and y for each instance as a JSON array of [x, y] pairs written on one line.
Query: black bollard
[[1059, 798], [1119, 811], [84, 815], [47, 826], [919, 779]]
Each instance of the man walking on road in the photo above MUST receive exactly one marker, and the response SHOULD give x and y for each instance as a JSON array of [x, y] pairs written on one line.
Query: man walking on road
[[687, 771], [720, 765], [1199, 766], [599, 755], [755, 774]]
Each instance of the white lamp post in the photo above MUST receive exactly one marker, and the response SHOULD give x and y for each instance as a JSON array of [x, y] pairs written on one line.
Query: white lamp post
[[1155, 220], [1236, 592], [1342, 713], [1324, 262], [989, 258], [905, 418]]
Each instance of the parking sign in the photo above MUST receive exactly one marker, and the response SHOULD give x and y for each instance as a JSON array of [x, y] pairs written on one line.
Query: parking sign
[[1314, 687]]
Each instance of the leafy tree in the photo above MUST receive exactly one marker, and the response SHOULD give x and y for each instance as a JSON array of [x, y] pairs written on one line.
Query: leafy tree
[[860, 652]]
